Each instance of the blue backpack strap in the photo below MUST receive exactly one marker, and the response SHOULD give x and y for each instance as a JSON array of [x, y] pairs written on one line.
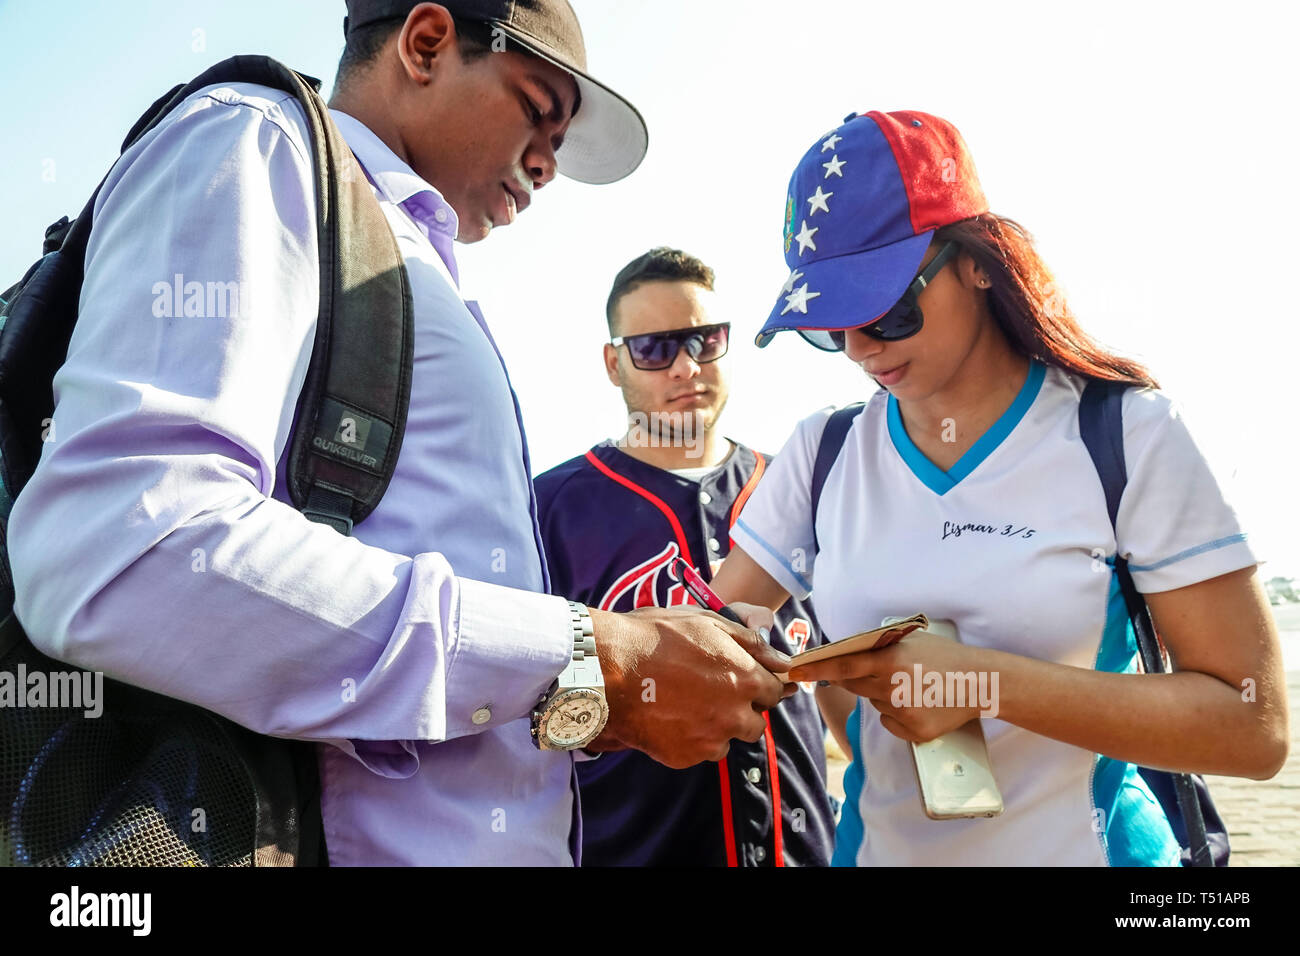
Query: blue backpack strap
[[1101, 426], [832, 440]]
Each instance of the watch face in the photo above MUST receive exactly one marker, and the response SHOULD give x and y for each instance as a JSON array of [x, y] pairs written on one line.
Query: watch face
[[575, 718]]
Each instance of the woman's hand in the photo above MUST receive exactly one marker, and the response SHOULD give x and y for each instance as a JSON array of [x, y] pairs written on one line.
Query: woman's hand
[[889, 679], [755, 618], [761, 619], [1223, 711]]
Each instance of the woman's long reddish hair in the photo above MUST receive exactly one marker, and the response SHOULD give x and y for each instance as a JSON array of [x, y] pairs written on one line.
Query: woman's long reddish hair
[[1029, 307]]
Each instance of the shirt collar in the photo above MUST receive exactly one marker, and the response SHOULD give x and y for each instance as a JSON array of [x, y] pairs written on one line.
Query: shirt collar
[[394, 179]]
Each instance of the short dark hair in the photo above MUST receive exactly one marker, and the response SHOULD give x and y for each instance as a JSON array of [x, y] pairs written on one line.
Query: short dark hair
[[661, 264], [474, 38]]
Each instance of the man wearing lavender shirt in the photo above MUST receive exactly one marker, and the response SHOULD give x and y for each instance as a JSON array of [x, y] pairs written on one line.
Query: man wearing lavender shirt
[[157, 542]]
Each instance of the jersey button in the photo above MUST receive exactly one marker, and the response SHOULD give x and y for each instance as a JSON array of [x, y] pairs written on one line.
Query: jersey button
[[760, 853], [753, 775], [482, 715], [440, 215], [713, 545], [705, 497]]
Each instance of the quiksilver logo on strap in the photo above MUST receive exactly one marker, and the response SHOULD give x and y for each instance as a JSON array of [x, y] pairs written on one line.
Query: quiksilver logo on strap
[[347, 434]]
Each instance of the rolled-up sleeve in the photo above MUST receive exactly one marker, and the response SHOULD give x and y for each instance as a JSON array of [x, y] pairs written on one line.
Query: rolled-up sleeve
[[148, 544]]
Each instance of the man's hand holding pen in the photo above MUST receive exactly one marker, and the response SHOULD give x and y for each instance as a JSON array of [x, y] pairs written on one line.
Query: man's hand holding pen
[[683, 682]]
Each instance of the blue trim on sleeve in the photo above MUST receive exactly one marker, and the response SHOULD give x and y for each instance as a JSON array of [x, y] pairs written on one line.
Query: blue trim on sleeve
[[740, 523], [1191, 552], [934, 477]]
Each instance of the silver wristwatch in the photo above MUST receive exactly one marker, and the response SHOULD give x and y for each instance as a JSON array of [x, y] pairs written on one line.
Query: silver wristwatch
[[573, 711]]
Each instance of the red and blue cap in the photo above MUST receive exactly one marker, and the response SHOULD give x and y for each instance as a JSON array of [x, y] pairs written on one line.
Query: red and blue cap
[[862, 207]]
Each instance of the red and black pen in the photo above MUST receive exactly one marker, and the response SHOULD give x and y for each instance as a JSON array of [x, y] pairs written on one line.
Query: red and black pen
[[702, 593]]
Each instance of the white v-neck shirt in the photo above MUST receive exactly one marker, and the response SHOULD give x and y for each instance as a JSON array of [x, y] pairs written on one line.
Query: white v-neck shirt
[[1014, 545]]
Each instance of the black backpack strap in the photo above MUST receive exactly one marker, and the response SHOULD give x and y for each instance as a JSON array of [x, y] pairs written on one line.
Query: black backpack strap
[[1101, 426], [39, 314], [351, 414], [352, 410], [828, 449]]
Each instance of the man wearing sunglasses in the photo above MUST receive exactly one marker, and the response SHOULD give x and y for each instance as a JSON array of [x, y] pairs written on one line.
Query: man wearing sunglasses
[[614, 520]]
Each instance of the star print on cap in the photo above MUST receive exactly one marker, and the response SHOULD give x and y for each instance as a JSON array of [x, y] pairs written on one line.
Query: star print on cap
[[818, 201], [805, 238], [867, 198]]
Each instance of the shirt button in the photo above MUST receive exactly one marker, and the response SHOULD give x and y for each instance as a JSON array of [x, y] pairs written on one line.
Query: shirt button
[[482, 715], [760, 853], [440, 215], [705, 497], [713, 545], [753, 775]]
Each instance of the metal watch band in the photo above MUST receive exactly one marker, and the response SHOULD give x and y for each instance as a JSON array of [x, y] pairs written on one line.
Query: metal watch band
[[585, 669], [581, 677]]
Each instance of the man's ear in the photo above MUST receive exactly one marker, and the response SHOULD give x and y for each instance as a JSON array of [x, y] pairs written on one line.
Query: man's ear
[[429, 33], [611, 365]]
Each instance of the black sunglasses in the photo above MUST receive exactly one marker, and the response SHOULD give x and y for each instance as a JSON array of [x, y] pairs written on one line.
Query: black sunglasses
[[658, 350], [902, 321]]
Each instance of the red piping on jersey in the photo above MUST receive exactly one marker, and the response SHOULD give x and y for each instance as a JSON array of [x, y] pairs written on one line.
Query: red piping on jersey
[[728, 825], [655, 500], [776, 792], [777, 849], [746, 491]]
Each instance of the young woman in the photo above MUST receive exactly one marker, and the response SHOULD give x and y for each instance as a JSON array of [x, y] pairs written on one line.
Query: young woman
[[963, 491]]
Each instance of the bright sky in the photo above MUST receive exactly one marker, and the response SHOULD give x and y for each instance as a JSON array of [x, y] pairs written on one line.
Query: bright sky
[[1150, 147]]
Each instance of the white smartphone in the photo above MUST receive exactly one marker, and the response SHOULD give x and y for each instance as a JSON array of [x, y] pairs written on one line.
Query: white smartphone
[[953, 772]]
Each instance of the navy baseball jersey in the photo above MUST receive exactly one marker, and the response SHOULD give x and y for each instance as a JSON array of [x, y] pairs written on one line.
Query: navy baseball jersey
[[612, 526]]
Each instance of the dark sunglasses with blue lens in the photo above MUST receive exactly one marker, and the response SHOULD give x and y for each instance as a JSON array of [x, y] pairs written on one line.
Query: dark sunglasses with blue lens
[[654, 351], [902, 321]]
